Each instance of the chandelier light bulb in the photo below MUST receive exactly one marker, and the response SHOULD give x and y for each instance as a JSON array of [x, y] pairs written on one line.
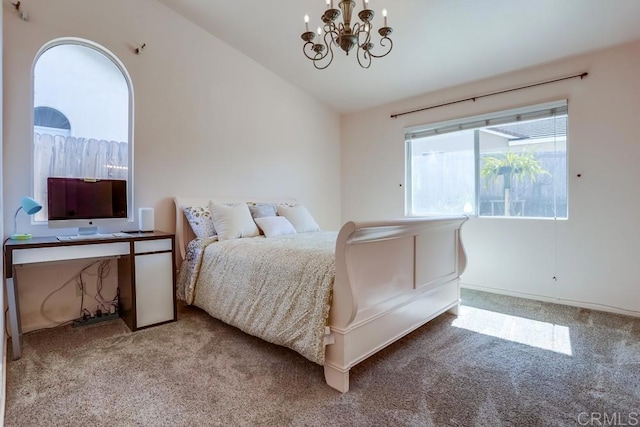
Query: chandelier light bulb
[[328, 4], [306, 22], [384, 13]]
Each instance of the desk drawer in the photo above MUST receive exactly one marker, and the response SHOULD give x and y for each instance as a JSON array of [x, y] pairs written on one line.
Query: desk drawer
[[27, 256], [148, 246]]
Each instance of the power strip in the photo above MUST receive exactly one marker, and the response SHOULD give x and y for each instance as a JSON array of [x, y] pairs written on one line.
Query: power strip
[[95, 319]]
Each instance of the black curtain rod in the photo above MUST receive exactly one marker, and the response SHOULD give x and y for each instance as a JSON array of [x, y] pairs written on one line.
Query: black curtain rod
[[473, 98]]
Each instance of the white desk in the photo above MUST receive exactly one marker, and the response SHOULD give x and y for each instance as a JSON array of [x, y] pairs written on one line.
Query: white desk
[[147, 293]]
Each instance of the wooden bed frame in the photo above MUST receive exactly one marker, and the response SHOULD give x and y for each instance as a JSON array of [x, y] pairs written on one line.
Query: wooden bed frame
[[391, 278]]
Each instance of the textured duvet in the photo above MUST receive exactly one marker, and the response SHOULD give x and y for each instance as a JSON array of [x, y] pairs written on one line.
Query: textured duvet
[[277, 288]]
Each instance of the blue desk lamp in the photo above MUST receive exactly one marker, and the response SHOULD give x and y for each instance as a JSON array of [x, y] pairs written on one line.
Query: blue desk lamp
[[31, 207]]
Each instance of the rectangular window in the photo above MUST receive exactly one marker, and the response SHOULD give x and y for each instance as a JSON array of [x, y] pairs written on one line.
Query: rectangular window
[[511, 163]]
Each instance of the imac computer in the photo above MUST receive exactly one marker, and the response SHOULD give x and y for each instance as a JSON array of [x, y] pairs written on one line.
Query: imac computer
[[86, 204]]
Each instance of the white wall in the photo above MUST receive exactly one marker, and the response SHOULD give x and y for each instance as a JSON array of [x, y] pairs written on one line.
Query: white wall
[[593, 254], [209, 121]]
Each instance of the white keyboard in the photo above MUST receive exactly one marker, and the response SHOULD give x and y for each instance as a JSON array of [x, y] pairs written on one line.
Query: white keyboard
[[92, 236]]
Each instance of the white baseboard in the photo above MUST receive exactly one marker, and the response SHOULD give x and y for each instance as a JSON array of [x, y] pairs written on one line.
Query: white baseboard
[[573, 303]]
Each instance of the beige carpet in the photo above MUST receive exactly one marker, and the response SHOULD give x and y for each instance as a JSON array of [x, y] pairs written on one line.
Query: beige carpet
[[503, 361]]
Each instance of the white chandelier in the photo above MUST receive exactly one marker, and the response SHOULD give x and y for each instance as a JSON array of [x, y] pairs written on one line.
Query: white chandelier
[[342, 34]]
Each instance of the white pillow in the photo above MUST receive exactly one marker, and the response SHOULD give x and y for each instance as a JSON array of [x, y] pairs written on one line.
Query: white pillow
[[273, 226], [233, 222], [299, 216]]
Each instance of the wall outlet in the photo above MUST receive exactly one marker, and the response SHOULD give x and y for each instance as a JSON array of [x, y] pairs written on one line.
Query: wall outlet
[[80, 290]]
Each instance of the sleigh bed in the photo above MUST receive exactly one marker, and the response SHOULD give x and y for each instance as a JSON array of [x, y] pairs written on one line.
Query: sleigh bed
[[334, 297]]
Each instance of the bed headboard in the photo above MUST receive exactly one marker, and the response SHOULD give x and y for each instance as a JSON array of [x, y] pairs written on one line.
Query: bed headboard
[[184, 233]]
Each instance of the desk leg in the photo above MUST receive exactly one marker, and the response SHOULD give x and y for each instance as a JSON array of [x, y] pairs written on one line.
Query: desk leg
[[14, 317]]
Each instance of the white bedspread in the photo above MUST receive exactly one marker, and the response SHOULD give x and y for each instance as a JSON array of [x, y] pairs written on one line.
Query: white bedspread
[[278, 288]]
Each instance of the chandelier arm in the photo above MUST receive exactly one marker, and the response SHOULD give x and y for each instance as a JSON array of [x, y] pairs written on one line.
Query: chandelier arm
[[314, 55], [329, 54], [364, 57], [315, 50], [339, 29], [308, 46], [332, 33], [330, 29], [362, 29], [383, 44], [315, 64]]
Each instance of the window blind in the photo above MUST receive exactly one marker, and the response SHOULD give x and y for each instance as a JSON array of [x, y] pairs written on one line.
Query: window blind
[[475, 122]]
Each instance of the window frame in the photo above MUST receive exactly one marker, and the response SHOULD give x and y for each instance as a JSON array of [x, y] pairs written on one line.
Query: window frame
[[530, 112], [127, 78]]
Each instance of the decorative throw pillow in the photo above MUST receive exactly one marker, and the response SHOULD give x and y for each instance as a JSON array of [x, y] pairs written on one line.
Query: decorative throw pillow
[[300, 217], [200, 220], [273, 226], [233, 222], [260, 210]]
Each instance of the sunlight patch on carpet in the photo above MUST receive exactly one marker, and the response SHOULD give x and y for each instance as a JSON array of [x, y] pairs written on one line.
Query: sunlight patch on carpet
[[544, 335]]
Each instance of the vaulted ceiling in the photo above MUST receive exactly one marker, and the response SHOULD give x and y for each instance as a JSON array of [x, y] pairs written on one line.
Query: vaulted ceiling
[[437, 43]]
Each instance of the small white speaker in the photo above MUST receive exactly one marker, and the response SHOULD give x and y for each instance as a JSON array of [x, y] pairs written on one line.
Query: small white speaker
[[145, 219]]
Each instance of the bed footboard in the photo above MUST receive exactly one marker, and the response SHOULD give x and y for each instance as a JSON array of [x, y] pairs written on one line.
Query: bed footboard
[[391, 278]]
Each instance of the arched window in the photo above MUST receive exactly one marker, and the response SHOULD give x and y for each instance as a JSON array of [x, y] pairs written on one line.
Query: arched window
[[83, 116]]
